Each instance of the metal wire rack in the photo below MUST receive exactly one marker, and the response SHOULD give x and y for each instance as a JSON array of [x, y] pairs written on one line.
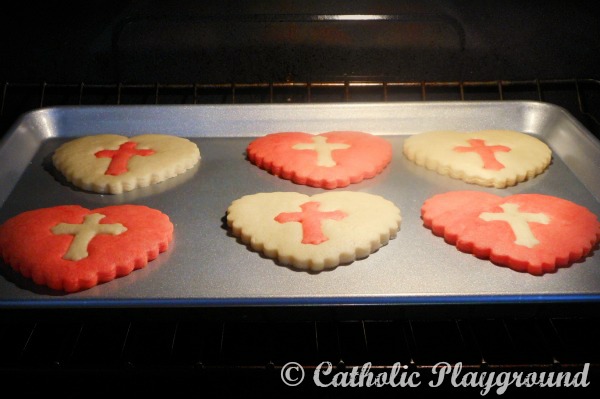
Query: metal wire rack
[[579, 96], [209, 350]]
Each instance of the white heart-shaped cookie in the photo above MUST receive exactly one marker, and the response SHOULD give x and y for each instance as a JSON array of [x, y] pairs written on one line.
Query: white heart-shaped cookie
[[314, 232], [112, 164], [492, 158]]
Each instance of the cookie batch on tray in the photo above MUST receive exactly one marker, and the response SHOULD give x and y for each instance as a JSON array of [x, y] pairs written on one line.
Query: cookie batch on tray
[[71, 248]]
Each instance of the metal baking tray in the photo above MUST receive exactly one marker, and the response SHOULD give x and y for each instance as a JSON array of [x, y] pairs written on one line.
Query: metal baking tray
[[206, 266]]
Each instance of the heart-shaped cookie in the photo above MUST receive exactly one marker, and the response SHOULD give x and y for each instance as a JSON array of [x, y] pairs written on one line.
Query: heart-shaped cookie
[[71, 248], [314, 232], [532, 233], [327, 160], [112, 164], [491, 158]]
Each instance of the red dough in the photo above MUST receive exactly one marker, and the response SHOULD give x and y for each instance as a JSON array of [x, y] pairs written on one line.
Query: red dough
[[120, 157], [311, 219], [348, 157], [486, 152], [31, 244], [545, 233]]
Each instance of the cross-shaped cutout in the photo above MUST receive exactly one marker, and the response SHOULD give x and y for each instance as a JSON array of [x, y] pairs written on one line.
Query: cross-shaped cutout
[[84, 233], [518, 222], [120, 158], [486, 152], [311, 219], [323, 149]]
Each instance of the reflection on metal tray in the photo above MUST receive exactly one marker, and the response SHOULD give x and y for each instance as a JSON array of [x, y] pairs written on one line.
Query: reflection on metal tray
[[207, 266]]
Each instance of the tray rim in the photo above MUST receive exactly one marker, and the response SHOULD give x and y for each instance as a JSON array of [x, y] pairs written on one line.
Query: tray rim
[[50, 110], [377, 300], [244, 302]]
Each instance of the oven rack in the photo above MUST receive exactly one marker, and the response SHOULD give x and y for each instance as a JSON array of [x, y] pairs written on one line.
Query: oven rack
[[76, 347], [581, 97], [213, 351]]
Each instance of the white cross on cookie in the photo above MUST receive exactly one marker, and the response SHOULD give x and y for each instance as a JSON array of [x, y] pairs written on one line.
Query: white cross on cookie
[[323, 149], [518, 222], [84, 233]]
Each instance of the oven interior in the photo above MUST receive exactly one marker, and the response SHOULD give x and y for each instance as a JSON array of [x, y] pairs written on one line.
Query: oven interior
[[144, 52]]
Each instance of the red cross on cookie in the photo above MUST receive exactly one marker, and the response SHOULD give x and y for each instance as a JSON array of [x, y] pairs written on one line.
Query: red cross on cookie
[[120, 157], [486, 152], [311, 219]]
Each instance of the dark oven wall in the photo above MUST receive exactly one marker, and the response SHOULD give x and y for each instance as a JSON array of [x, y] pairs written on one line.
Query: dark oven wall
[[138, 52], [222, 52], [272, 41], [277, 51]]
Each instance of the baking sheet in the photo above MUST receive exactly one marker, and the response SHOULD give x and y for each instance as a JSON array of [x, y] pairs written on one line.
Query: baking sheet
[[206, 266]]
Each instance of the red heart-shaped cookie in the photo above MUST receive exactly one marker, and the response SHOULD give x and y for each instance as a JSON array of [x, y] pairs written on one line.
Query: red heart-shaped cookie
[[72, 248], [527, 232], [327, 160]]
